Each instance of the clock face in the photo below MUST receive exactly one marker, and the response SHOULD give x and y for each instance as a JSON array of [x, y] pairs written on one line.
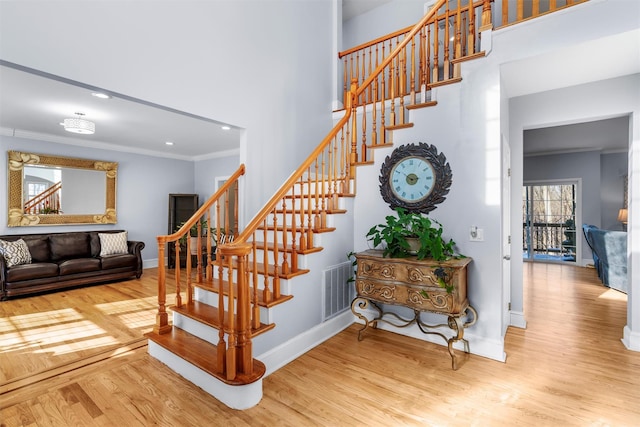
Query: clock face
[[415, 177], [412, 179]]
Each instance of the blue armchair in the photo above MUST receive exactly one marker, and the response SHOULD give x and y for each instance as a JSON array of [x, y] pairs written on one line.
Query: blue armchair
[[610, 255]]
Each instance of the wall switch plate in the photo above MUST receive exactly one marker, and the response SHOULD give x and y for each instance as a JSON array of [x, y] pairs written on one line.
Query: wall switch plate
[[476, 234]]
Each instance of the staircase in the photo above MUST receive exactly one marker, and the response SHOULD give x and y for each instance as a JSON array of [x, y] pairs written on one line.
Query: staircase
[[228, 297]]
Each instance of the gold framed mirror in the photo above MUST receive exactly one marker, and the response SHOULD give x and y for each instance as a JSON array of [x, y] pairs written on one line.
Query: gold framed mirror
[[54, 190]]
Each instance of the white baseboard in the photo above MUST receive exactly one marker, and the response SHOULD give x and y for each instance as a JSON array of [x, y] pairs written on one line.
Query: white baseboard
[[517, 320], [480, 346], [630, 339], [279, 356], [150, 263], [235, 397]]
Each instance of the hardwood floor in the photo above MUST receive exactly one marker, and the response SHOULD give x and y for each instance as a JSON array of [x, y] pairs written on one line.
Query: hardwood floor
[[568, 368]]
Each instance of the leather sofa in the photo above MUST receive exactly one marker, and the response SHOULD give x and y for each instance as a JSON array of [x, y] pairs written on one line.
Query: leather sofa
[[63, 260], [609, 249]]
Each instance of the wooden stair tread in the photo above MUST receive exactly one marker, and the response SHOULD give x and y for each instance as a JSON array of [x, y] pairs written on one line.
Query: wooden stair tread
[[445, 82], [208, 315], [476, 55], [297, 211], [202, 354], [297, 229], [397, 127], [269, 246], [270, 270], [367, 162], [384, 145], [422, 105], [313, 197], [213, 287]]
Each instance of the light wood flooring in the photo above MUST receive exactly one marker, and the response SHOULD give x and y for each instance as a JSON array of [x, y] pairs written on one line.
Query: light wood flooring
[[568, 368]]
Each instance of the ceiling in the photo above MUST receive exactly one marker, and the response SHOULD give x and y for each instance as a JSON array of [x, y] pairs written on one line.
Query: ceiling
[[34, 104], [608, 135]]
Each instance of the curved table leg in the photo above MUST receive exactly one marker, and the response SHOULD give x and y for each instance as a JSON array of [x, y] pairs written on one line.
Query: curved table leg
[[363, 303]]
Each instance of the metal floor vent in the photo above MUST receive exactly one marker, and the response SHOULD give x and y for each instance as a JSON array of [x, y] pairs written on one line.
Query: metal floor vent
[[337, 293]]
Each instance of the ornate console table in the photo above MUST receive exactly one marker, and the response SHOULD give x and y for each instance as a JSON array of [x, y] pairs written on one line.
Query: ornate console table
[[425, 285]]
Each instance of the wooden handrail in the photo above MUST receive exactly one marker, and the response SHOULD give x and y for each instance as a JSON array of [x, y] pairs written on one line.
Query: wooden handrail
[[535, 11], [374, 42], [433, 51], [293, 178]]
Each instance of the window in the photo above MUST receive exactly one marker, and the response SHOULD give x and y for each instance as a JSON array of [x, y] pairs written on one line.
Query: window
[[549, 222]]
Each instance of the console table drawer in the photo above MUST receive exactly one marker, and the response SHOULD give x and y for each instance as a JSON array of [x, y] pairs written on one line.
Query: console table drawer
[[413, 283], [422, 298]]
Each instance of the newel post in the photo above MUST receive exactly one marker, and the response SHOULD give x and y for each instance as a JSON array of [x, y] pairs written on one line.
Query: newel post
[[240, 357], [162, 318]]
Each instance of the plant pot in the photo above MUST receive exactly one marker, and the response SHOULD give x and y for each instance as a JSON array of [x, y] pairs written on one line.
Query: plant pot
[[414, 245], [193, 246]]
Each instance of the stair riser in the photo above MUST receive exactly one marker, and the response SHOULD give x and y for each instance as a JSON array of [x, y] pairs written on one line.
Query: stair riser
[[211, 298], [236, 397]]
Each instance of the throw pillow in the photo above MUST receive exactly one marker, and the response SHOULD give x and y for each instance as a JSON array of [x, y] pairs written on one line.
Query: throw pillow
[[113, 243], [15, 253]]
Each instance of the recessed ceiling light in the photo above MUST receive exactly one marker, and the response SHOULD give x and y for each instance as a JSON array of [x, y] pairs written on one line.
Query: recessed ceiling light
[[168, 143], [101, 95], [226, 127]]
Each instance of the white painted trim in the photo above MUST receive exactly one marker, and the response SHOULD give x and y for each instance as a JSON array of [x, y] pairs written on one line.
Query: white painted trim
[[150, 263], [279, 356], [235, 397], [630, 339], [518, 320], [478, 345]]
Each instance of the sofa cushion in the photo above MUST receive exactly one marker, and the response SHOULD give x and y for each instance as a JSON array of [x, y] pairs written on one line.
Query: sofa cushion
[[15, 253], [69, 245], [79, 265], [113, 243], [39, 248], [119, 261], [32, 271]]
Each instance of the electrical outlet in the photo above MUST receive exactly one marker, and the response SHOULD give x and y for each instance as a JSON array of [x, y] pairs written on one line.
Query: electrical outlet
[[476, 234]]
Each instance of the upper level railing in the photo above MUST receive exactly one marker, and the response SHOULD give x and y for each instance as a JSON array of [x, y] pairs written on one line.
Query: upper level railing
[[515, 11], [433, 54], [430, 55]]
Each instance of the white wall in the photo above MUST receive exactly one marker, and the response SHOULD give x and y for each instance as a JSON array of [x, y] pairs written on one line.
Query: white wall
[[613, 168], [264, 66], [383, 20], [465, 126]]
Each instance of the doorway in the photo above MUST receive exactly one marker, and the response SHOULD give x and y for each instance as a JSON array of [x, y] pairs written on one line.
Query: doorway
[[549, 218]]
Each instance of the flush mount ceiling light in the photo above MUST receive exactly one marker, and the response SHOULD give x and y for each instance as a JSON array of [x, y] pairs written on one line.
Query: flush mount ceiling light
[[101, 95], [79, 125]]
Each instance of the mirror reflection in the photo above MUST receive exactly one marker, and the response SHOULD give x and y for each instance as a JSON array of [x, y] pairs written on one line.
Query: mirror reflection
[[57, 190], [48, 190]]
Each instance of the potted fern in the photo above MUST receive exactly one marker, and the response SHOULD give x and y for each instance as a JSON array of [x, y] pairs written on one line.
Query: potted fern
[[412, 234]]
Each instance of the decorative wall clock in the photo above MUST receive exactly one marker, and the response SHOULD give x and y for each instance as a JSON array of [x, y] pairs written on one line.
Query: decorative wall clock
[[415, 177]]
